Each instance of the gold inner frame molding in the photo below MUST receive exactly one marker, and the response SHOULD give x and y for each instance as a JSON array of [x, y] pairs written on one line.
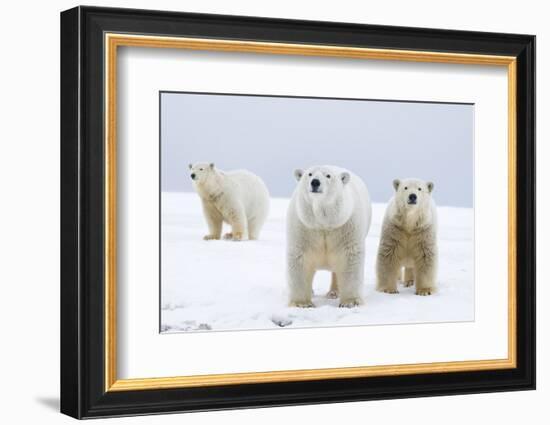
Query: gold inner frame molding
[[113, 41]]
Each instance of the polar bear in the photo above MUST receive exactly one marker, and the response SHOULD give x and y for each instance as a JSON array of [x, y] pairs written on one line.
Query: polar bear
[[409, 239], [328, 219], [239, 198]]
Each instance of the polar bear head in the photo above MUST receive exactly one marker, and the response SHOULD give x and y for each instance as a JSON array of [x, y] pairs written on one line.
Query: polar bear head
[[201, 171], [323, 201], [413, 195], [322, 182]]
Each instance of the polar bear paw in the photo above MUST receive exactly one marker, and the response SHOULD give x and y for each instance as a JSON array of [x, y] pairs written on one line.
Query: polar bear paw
[[350, 303], [390, 291], [425, 291], [211, 237], [332, 295], [301, 304], [408, 283], [236, 236]]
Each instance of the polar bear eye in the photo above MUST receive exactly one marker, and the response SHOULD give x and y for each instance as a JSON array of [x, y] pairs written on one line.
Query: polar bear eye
[[419, 188], [405, 187], [328, 176], [200, 169], [310, 174]]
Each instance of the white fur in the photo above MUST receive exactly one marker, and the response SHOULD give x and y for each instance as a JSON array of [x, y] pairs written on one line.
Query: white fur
[[238, 198], [327, 231], [408, 242]]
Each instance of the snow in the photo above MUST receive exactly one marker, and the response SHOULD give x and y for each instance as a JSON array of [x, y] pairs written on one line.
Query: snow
[[225, 285]]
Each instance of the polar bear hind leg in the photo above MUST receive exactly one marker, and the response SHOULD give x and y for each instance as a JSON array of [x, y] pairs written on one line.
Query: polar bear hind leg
[[239, 224], [333, 291], [408, 278], [257, 221], [254, 227]]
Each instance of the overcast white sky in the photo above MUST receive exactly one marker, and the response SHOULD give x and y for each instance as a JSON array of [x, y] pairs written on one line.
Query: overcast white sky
[[271, 136]]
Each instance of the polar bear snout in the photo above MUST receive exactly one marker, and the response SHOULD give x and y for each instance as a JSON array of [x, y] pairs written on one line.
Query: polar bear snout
[[315, 185], [201, 171], [412, 199]]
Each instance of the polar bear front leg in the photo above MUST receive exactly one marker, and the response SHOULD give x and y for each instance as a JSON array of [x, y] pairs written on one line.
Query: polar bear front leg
[[349, 284], [387, 276], [388, 266], [214, 220], [300, 281], [426, 279], [350, 274], [426, 266]]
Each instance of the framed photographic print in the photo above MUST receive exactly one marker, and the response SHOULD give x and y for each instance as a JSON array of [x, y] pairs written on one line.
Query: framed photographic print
[[261, 212]]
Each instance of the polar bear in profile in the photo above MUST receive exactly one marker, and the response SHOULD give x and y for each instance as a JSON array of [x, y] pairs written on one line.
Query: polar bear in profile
[[408, 241], [239, 198], [328, 219]]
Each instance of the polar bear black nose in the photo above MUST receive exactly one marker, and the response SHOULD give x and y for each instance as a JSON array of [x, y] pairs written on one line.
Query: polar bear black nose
[[412, 197], [193, 176], [315, 183]]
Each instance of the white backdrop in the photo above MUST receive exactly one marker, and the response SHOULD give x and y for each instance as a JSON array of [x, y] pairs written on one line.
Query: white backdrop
[[29, 151], [141, 347]]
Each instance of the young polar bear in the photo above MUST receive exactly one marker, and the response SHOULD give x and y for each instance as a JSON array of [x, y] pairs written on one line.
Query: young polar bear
[[409, 239], [328, 219], [239, 198]]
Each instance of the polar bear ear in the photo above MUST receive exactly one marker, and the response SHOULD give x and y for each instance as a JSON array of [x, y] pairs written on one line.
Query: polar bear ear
[[190, 165], [430, 186], [396, 184], [211, 165], [298, 173], [345, 177]]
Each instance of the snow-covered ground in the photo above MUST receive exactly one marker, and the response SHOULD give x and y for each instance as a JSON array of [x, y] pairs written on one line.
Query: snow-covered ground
[[224, 285]]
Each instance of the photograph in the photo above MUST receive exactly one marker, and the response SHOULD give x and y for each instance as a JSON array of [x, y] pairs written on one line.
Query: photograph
[[282, 212]]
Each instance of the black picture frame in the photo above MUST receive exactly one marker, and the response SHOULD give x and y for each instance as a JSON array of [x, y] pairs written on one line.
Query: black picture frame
[[83, 392]]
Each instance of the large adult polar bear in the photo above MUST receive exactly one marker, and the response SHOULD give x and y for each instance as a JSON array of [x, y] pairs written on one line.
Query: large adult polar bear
[[239, 198], [328, 219], [409, 239]]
